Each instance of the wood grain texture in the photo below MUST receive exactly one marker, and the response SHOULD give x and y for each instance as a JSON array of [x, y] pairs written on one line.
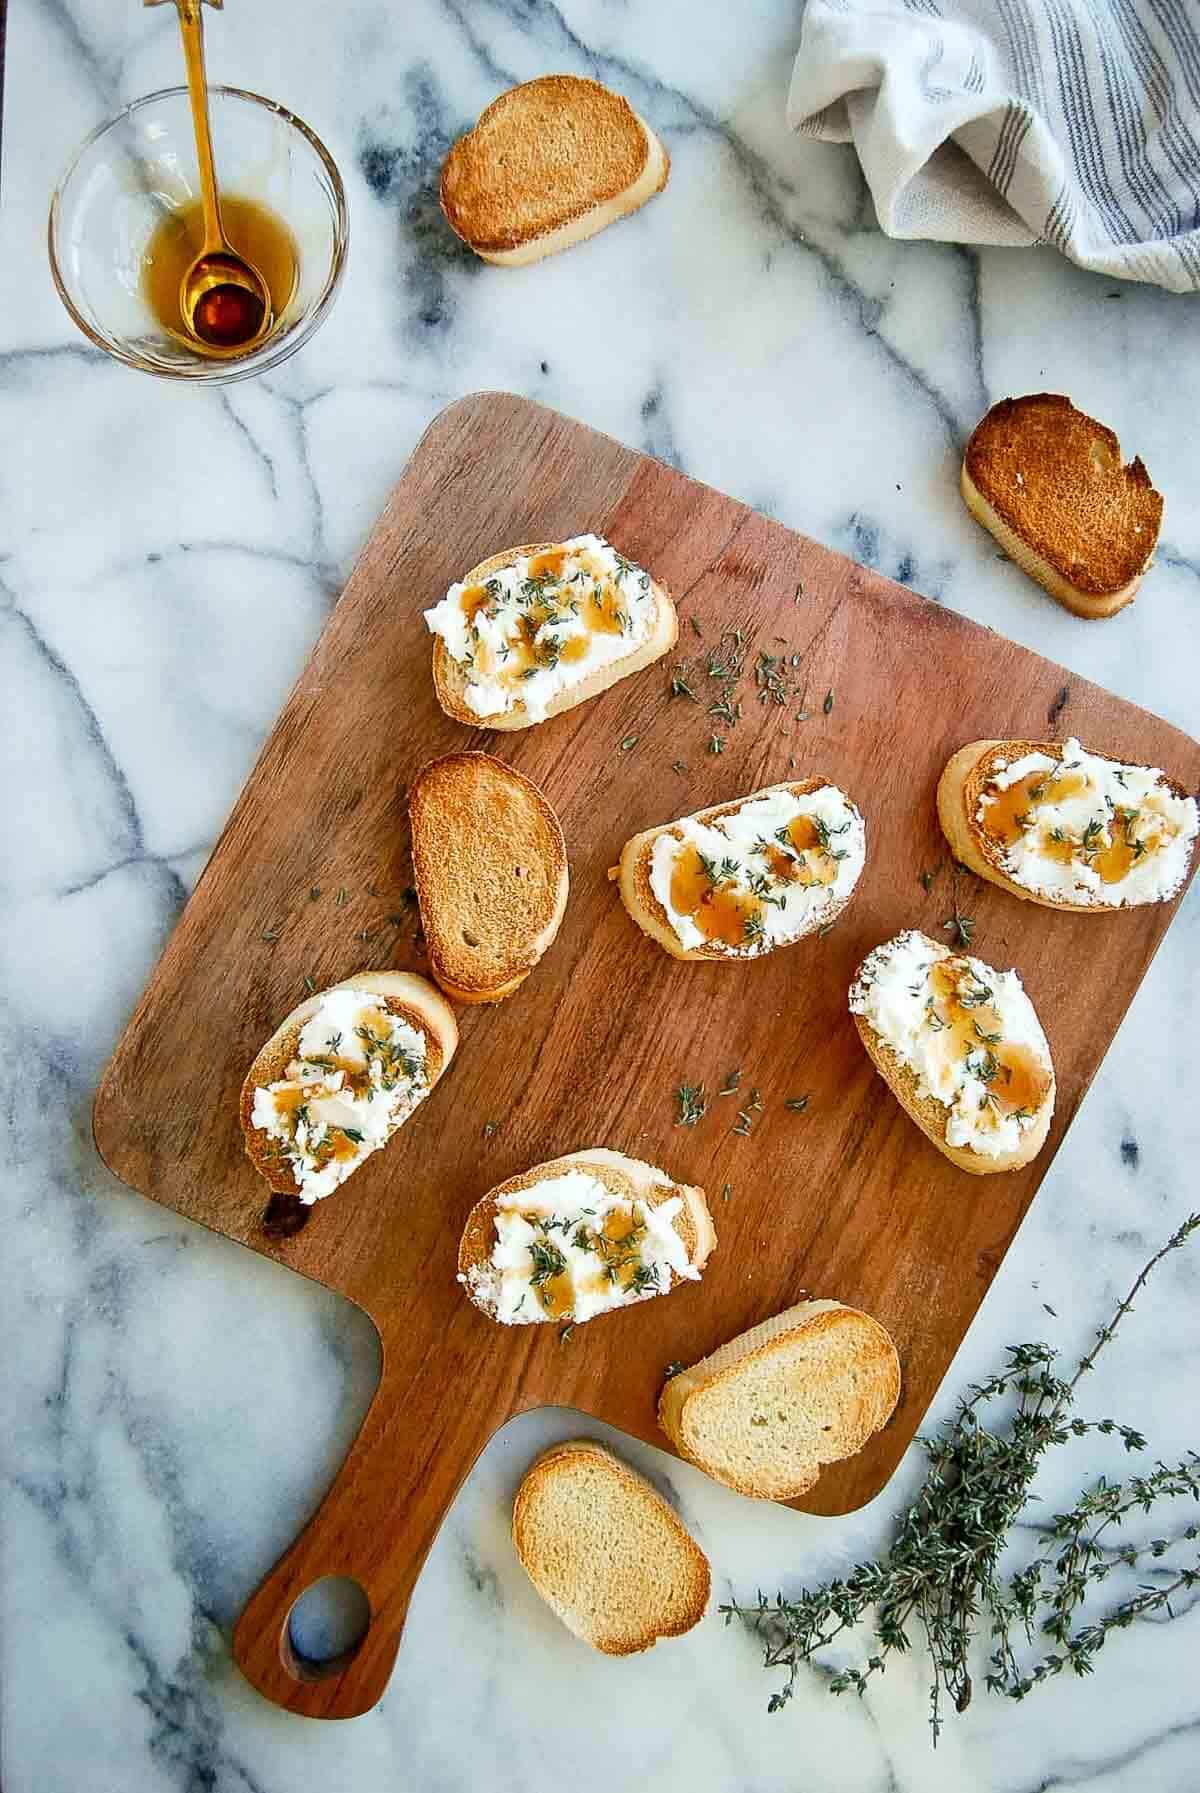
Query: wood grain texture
[[847, 1199]]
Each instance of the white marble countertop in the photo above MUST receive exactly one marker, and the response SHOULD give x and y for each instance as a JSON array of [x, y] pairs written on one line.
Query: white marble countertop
[[173, 1406]]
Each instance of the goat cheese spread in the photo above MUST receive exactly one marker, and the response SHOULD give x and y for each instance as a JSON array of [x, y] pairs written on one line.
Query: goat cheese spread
[[358, 1074], [762, 875], [1087, 829], [569, 1248], [969, 1034], [545, 622]]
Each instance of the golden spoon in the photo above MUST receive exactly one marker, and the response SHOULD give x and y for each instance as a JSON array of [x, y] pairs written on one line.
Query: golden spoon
[[226, 303]]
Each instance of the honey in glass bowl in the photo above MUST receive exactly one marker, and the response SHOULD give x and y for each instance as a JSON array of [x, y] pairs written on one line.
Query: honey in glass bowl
[[254, 231]]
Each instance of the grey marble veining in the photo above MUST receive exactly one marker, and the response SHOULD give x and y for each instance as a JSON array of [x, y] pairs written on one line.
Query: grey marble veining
[[173, 1408]]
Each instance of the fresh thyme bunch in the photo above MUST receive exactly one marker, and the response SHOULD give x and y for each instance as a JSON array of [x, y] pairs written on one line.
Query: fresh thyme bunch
[[941, 1572]]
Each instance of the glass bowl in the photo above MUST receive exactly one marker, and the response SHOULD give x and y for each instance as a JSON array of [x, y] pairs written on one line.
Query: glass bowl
[[141, 164]]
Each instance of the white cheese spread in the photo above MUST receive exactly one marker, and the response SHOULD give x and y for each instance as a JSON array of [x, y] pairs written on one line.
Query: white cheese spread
[[358, 1073], [568, 1248], [764, 874], [1087, 829], [546, 622], [969, 1034]]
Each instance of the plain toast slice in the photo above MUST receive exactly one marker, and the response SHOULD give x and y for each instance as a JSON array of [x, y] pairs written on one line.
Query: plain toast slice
[[764, 1413], [549, 164], [605, 1551], [1047, 481], [491, 870]]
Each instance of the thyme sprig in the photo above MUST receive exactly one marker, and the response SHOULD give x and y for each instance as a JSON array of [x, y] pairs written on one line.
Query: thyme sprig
[[940, 1577]]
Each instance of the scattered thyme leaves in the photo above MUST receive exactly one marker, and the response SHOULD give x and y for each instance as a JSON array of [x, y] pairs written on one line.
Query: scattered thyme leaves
[[729, 1087], [340, 898], [566, 1332], [679, 686], [674, 1368], [927, 882], [827, 706], [314, 895], [310, 985], [697, 631], [693, 1104], [796, 1104], [726, 1191], [629, 743], [962, 927], [716, 744], [271, 935], [678, 766]]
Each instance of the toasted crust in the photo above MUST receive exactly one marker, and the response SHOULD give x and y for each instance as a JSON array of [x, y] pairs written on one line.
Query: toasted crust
[[548, 164], [933, 1117], [449, 680], [605, 1551], [633, 880], [959, 790], [402, 993], [627, 1177], [491, 871], [768, 1410], [1047, 481]]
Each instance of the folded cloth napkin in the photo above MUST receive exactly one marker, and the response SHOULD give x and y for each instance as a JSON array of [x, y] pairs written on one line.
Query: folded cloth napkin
[[1070, 122]]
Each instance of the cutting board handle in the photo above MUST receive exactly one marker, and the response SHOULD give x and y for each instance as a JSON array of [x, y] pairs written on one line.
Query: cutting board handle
[[375, 1525]]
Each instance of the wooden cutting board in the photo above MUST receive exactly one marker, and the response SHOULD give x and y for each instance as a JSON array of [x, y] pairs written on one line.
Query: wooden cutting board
[[307, 881]]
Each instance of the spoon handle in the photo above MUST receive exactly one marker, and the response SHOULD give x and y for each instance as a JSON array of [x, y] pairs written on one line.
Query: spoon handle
[[191, 29]]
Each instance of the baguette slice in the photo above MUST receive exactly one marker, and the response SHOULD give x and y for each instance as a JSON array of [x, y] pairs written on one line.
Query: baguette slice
[[932, 1114], [733, 904], [549, 164], [409, 998], [768, 1410], [1155, 876], [491, 870], [450, 681], [1047, 481], [606, 1552], [556, 1298]]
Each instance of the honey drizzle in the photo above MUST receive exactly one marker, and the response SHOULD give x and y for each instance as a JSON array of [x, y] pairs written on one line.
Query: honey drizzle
[[616, 1244], [1012, 813], [356, 1080], [720, 911], [601, 612], [970, 1030]]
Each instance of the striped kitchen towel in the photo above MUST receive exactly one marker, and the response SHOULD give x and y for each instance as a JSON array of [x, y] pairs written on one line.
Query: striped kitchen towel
[[1070, 122]]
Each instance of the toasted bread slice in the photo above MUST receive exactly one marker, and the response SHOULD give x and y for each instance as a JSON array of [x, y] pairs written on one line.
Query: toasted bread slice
[[989, 1118], [450, 677], [549, 164], [728, 920], [491, 869], [606, 1552], [411, 1001], [767, 1411], [1047, 481], [1098, 849], [599, 1243]]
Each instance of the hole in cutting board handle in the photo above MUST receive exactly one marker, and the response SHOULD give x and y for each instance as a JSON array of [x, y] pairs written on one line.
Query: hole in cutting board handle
[[325, 1628]]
